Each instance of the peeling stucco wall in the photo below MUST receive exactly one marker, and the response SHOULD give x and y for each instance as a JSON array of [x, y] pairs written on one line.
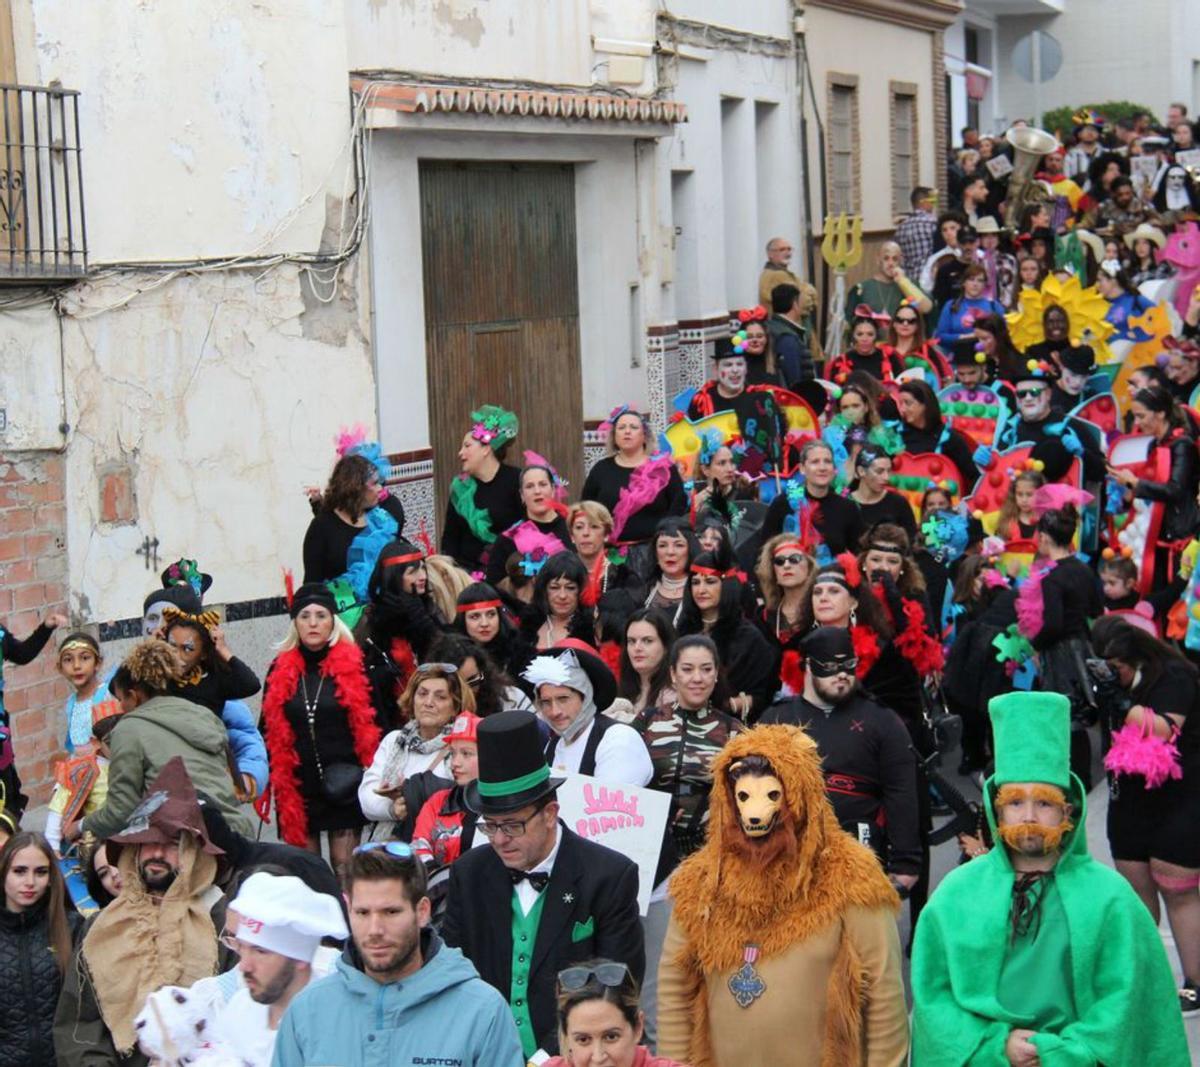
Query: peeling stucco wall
[[223, 393]]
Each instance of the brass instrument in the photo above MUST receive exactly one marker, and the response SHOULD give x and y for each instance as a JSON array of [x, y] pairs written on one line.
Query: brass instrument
[[1029, 146]]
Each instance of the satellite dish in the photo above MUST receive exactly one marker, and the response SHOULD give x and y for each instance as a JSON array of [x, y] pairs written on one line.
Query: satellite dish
[[1041, 47]]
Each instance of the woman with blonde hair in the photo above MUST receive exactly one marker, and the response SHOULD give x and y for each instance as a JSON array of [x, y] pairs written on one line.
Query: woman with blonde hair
[[409, 764], [320, 727], [446, 579], [591, 525]]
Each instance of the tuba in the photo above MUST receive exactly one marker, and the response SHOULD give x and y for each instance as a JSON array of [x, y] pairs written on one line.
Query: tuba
[[1029, 146]]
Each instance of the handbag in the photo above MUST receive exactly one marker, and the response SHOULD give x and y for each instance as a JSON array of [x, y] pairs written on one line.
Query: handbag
[[1137, 749], [339, 781]]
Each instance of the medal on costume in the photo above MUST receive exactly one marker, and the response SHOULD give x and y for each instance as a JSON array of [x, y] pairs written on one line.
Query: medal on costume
[[746, 983]]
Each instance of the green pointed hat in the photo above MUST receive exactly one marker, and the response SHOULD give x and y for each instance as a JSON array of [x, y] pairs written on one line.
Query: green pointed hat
[[1032, 735]]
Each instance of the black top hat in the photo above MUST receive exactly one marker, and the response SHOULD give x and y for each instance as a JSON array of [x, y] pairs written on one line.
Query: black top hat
[[512, 765], [965, 354], [1079, 359], [182, 597], [723, 349]]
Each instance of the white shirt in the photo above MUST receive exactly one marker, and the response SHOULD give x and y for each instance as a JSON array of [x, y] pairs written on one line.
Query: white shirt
[[621, 757], [526, 895]]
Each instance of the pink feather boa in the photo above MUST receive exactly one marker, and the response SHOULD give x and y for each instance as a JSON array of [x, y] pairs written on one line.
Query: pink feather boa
[[650, 479], [1030, 606], [1136, 749]]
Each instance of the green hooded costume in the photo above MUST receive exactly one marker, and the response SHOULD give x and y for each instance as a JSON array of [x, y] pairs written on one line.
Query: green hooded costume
[[1092, 980]]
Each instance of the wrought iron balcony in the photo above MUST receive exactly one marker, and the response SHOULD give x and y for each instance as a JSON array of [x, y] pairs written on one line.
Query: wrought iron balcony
[[43, 234]]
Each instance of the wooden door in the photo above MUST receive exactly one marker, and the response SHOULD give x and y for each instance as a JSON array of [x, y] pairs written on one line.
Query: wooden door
[[502, 308]]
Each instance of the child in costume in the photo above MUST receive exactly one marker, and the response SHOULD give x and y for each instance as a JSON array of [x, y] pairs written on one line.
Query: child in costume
[[81, 784], [1036, 949], [79, 662], [444, 820]]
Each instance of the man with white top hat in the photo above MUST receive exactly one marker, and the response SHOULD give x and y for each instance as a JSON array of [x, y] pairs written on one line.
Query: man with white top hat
[[279, 926]]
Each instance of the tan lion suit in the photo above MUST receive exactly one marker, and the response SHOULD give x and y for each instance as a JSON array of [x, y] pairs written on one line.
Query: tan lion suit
[[820, 909]]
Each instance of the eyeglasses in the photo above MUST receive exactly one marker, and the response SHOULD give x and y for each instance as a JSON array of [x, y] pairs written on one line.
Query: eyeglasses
[[401, 850], [1029, 394], [511, 829], [609, 975], [788, 561], [476, 680]]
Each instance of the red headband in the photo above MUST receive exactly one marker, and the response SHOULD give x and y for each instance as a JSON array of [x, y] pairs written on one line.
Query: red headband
[[412, 557], [712, 572], [788, 547], [478, 605]]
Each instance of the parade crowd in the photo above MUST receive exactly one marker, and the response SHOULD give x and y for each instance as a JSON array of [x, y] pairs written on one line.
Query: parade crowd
[[958, 535]]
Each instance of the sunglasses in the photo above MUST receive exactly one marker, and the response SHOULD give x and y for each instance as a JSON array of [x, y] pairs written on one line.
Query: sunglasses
[[609, 975], [788, 561], [400, 849], [905, 322], [445, 668], [1029, 394]]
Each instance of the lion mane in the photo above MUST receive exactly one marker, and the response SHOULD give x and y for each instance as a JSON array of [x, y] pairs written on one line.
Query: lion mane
[[779, 890]]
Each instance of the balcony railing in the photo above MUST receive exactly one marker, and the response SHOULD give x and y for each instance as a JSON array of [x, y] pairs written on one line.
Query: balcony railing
[[43, 234]]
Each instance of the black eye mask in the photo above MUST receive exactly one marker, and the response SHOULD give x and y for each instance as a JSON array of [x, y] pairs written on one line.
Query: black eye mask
[[822, 668]]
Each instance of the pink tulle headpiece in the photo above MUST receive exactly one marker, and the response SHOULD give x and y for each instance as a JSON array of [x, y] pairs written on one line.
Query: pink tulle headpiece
[[1056, 495], [536, 459]]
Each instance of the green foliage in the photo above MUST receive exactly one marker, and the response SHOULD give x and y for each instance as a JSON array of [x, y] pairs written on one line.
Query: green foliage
[[1058, 121]]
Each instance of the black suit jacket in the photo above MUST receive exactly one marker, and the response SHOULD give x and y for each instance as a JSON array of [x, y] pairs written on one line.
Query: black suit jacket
[[589, 883]]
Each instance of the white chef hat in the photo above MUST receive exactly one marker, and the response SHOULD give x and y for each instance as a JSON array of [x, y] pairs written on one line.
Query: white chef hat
[[281, 914]]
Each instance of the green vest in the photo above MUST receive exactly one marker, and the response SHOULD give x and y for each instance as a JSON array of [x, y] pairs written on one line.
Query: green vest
[[524, 934]]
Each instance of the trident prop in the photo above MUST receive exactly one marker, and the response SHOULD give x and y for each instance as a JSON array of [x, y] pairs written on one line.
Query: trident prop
[[841, 249]]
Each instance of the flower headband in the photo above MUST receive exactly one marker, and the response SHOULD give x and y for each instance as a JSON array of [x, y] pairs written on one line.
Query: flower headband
[[493, 425]]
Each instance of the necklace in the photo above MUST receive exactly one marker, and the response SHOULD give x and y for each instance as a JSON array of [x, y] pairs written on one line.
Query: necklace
[[310, 706], [672, 583]]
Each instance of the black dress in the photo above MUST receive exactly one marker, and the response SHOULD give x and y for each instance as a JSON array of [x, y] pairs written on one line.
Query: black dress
[[1161, 823], [604, 484], [505, 546], [328, 539], [838, 520], [892, 508], [501, 499], [334, 743]]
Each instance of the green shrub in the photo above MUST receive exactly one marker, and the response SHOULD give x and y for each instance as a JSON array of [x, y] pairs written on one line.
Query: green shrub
[[1058, 121]]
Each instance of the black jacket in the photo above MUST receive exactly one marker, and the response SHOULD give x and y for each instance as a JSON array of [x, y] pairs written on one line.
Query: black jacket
[[591, 911], [1178, 492], [31, 986], [793, 355]]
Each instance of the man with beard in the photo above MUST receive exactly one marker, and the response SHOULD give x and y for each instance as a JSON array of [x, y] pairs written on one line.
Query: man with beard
[[398, 994], [278, 923], [160, 930], [1034, 953], [870, 773]]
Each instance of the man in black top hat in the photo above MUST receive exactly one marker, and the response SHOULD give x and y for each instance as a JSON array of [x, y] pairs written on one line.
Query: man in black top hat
[[970, 363], [541, 898], [870, 773], [1078, 364]]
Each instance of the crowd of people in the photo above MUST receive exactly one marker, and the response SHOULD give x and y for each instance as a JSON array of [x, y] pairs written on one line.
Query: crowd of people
[[971, 536]]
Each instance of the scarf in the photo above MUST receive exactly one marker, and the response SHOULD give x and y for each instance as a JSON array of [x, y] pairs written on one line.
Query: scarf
[[409, 741], [138, 945], [343, 663]]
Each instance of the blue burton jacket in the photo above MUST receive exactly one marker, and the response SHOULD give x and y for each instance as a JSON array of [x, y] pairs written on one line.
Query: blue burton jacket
[[444, 1014]]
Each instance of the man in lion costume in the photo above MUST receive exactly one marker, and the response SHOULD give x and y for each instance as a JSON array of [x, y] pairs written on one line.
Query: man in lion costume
[[782, 947]]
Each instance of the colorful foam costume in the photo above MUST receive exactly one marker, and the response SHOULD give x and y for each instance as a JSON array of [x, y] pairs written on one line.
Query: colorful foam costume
[[782, 947], [1072, 955]]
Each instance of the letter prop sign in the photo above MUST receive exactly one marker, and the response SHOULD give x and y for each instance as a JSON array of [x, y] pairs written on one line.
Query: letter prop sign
[[628, 819]]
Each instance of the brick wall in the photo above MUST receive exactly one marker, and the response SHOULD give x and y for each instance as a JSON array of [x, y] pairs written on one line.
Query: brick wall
[[33, 576]]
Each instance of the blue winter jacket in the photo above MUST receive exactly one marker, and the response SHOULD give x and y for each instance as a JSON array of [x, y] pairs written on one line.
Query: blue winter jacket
[[444, 1014], [245, 742]]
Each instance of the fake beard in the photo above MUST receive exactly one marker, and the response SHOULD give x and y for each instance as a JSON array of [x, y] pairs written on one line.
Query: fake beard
[[1050, 836]]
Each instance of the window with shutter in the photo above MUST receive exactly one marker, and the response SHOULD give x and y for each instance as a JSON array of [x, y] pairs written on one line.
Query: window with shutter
[[842, 120], [904, 150]]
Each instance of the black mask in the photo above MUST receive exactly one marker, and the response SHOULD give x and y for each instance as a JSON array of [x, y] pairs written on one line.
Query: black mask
[[822, 668]]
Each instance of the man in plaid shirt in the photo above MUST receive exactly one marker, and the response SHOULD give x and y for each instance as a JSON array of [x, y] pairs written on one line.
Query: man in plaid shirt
[[915, 235]]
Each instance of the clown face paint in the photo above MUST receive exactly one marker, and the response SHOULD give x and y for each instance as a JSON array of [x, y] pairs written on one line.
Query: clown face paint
[[758, 799], [731, 375], [1033, 400]]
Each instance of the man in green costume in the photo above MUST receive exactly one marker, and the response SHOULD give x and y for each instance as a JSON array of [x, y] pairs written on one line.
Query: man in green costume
[[1036, 953]]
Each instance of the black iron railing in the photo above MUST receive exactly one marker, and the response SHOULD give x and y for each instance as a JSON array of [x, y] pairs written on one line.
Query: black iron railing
[[43, 234]]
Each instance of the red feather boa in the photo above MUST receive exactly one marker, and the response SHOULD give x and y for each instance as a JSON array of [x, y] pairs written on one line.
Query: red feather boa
[[405, 661], [344, 664], [914, 643]]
